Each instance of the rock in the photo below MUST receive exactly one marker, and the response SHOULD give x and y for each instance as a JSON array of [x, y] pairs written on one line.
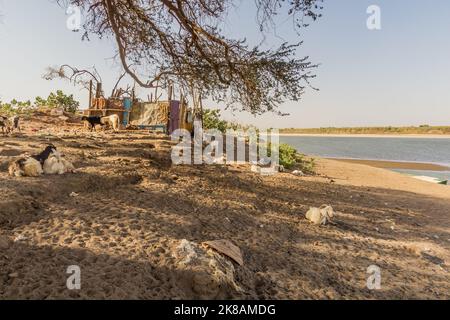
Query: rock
[[4, 243], [322, 215], [57, 112], [210, 274], [298, 173], [205, 285], [74, 194], [20, 237], [13, 275]]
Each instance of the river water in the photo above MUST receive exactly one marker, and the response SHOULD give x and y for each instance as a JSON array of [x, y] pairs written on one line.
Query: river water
[[424, 150]]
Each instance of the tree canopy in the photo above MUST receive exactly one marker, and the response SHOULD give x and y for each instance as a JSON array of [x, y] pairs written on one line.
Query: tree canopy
[[163, 42]]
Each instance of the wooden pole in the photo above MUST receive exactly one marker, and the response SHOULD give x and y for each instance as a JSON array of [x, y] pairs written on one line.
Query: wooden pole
[[201, 107], [98, 92], [90, 94]]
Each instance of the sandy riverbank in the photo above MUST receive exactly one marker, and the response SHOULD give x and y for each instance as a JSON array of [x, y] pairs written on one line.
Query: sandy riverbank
[[397, 164], [132, 209]]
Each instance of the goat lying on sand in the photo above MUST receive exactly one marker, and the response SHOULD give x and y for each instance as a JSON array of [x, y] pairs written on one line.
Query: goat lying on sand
[[112, 120], [56, 164], [48, 161]]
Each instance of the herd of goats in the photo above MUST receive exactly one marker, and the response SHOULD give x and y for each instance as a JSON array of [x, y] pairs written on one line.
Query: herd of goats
[[49, 161]]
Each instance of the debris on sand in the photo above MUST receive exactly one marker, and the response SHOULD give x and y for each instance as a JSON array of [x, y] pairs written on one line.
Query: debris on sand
[[187, 251], [321, 216], [209, 274], [226, 248], [74, 195], [20, 237], [433, 259], [298, 173]]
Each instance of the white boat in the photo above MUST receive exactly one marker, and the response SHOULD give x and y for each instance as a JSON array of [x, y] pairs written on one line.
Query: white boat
[[431, 179]]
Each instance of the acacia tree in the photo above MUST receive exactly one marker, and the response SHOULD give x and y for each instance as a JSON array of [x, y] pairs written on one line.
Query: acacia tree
[[181, 42]]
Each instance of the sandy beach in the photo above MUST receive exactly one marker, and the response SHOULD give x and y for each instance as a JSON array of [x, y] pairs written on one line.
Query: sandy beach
[[123, 215], [397, 164]]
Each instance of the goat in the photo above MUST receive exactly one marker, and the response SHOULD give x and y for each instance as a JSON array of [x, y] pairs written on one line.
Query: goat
[[14, 121], [49, 161], [5, 124], [91, 122], [112, 120], [56, 164], [30, 166], [25, 167]]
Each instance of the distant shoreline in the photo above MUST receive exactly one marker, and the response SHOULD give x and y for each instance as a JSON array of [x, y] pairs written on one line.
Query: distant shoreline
[[366, 135]]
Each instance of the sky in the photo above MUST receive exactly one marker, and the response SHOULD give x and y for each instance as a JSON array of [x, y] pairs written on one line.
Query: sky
[[399, 75]]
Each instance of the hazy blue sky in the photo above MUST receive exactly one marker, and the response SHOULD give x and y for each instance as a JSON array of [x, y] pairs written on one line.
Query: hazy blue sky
[[399, 75]]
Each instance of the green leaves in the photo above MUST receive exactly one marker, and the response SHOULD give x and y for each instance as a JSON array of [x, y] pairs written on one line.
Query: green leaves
[[59, 100], [54, 100], [211, 120], [288, 156], [15, 107], [291, 159]]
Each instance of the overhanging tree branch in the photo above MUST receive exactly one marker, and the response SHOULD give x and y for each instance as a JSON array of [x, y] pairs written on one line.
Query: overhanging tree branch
[[180, 41]]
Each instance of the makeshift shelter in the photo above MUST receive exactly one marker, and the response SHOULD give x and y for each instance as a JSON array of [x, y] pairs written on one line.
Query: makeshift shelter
[[150, 114], [166, 116]]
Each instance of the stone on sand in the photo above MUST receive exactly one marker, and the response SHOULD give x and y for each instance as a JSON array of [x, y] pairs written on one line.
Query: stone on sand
[[4, 243], [209, 274], [322, 215]]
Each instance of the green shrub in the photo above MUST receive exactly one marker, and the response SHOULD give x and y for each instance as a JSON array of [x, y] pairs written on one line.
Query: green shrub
[[59, 100], [15, 107], [305, 164], [291, 159], [288, 156], [212, 120]]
